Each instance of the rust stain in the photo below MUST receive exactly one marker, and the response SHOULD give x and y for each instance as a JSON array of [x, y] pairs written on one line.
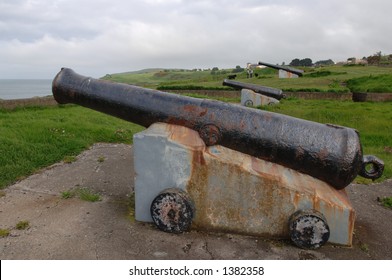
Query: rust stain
[[195, 110], [351, 226], [299, 153], [234, 192], [323, 154], [240, 202], [268, 171], [177, 121], [185, 136], [197, 159]]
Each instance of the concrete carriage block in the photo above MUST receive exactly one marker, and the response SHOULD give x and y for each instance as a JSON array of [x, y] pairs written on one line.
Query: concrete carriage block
[[250, 98], [286, 74], [162, 159], [231, 191]]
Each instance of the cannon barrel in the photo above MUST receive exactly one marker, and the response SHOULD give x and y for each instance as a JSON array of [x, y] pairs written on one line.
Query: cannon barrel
[[285, 68], [268, 91], [330, 153]]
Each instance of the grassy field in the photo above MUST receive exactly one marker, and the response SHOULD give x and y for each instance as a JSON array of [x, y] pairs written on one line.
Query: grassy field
[[33, 138], [332, 78]]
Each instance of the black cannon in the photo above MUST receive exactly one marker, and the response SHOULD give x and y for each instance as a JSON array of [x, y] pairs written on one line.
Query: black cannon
[[268, 91], [330, 153], [284, 68]]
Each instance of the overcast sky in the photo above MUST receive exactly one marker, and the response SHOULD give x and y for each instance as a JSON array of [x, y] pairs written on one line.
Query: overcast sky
[[96, 37]]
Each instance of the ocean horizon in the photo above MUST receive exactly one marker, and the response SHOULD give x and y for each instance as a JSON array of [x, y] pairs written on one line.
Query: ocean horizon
[[24, 88]]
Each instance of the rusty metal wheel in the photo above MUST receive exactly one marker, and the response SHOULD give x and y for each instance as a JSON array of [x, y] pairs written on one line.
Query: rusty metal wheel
[[172, 211], [308, 229]]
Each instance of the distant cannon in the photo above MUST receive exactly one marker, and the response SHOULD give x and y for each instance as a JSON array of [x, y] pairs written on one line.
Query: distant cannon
[[297, 72], [268, 91], [330, 153]]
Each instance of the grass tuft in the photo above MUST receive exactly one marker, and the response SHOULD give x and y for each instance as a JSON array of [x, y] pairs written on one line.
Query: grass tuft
[[67, 194], [4, 232], [83, 193], [69, 159], [386, 202], [21, 225], [101, 159], [88, 195]]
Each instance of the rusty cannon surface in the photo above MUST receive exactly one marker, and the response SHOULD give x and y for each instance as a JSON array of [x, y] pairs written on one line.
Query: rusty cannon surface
[[267, 91], [330, 153]]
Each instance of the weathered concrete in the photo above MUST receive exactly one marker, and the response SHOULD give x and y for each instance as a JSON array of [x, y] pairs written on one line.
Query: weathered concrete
[[232, 191], [286, 75], [162, 160], [250, 98]]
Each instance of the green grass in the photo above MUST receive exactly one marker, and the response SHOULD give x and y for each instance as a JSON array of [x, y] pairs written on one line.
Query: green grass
[[154, 77], [33, 138], [372, 120], [325, 79], [380, 84]]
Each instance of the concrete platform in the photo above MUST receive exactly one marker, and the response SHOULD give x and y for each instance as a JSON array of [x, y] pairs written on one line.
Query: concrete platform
[[76, 229]]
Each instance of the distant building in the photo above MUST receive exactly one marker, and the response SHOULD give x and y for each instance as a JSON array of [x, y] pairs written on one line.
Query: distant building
[[354, 60]]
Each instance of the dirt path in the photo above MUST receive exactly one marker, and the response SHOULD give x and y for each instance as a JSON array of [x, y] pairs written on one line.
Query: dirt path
[[76, 229]]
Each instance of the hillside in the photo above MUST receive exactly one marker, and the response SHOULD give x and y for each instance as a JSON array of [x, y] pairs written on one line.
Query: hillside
[[325, 79]]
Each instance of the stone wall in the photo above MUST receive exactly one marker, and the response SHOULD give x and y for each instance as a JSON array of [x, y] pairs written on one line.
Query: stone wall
[[320, 95], [35, 101], [211, 93], [302, 95], [374, 97]]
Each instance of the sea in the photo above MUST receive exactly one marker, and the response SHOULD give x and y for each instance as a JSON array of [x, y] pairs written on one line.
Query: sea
[[26, 88]]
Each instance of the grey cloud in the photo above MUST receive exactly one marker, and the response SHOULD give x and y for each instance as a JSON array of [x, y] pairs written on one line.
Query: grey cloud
[[99, 37]]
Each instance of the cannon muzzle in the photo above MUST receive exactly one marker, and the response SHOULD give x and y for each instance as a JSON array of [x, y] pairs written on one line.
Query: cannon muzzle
[[268, 91], [330, 153]]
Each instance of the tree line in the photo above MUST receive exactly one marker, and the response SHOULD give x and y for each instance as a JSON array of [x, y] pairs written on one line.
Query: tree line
[[375, 59]]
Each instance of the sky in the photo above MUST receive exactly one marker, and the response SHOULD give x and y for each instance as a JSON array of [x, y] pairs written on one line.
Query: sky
[[98, 37]]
